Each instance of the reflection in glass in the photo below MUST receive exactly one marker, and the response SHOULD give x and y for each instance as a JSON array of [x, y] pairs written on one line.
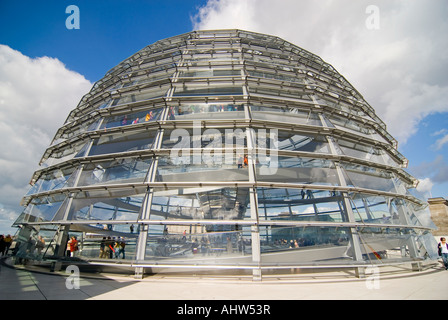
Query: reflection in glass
[[300, 205], [132, 118], [298, 170], [120, 170], [206, 111], [200, 203], [217, 166], [103, 209], [121, 142]]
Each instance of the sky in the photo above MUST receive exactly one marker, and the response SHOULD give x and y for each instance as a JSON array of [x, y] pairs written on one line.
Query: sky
[[392, 51]]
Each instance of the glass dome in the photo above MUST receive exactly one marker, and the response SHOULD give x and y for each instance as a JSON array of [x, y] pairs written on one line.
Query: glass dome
[[223, 150]]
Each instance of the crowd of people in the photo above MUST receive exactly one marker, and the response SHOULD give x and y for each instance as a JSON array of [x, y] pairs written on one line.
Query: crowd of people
[[111, 247]]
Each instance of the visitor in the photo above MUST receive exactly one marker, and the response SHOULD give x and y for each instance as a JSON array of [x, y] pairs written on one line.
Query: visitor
[[73, 244], [2, 245], [67, 249], [8, 242], [443, 252], [240, 162], [40, 244], [110, 247], [119, 248], [229, 245], [103, 254]]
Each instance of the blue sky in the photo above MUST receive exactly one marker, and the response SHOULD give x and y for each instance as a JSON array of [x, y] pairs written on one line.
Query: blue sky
[[110, 31], [45, 68]]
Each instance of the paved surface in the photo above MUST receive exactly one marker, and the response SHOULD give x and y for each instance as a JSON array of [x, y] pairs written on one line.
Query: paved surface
[[392, 284]]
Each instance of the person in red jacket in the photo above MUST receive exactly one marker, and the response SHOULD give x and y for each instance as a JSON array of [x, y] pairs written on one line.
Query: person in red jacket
[[73, 243]]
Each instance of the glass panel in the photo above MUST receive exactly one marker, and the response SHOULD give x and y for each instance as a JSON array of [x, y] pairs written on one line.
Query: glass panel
[[368, 177], [122, 142], [286, 245], [300, 205], [113, 209], [199, 138], [211, 167], [285, 114], [385, 245], [42, 209], [298, 170], [121, 170], [155, 92], [65, 153], [376, 209], [53, 180], [276, 76], [195, 90], [133, 118], [356, 127], [200, 203], [220, 245], [297, 142], [103, 246], [365, 152], [206, 111], [209, 73], [35, 243]]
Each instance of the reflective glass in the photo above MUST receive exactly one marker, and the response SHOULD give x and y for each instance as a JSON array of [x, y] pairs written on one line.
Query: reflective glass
[[146, 95], [53, 180], [132, 118], [208, 139], [303, 245], [299, 141], [129, 170], [382, 245], [185, 244], [202, 167], [199, 111], [279, 204], [119, 244], [376, 209], [368, 177], [121, 142], [113, 209], [200, 203], [194, 90], [297, 170], [285, 114], [42, 209], [35, 243], [64, 153]]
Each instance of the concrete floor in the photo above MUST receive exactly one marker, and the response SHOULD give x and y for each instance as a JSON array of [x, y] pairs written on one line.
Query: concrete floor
[[392, 283]]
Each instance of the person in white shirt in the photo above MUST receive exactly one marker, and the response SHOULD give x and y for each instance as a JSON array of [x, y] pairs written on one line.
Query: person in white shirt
[[443, 252]]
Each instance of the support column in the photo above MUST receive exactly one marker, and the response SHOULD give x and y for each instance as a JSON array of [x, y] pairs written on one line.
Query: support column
[[255, 235], [143, 235], [355, 240], [145, 213]]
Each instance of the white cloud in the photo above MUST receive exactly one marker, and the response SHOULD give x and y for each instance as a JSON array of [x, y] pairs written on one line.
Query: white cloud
[[441, 142], [425, 186], [36, 96], [400, 69]]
